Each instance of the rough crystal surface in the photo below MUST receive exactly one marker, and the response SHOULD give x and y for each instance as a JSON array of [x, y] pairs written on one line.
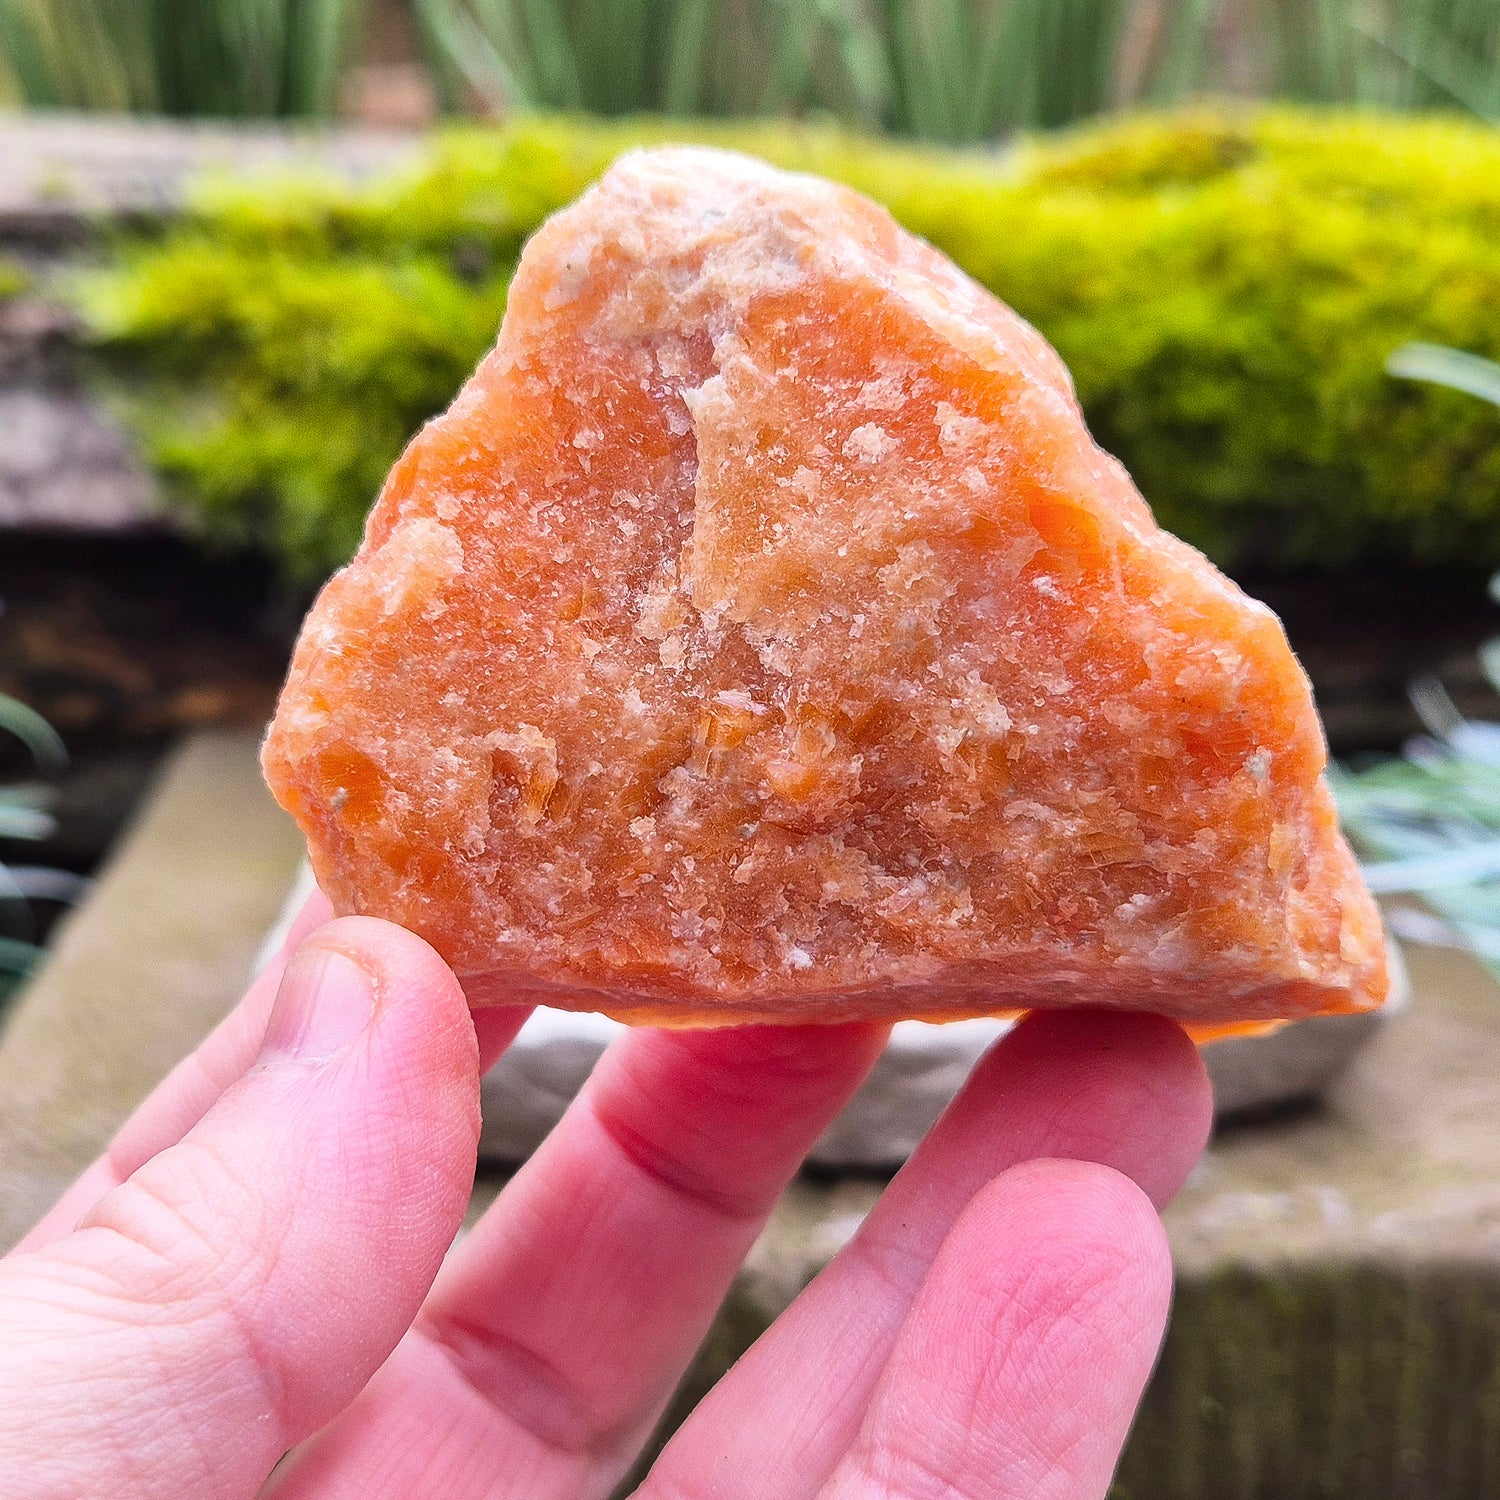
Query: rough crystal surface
[[761, 636]]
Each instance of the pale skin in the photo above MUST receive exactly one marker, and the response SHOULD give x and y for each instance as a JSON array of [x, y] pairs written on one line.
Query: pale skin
[[260, 1265]]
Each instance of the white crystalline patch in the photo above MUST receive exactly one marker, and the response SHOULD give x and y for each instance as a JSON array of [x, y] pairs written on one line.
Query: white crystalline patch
[[983, 706], [420, 558], [799, 958], [673, 360], [739, 700], [572, 278], [803, 480], [957, 431], [885, 394], [686, 925], [869, 443], [775, 655], [661, 611]]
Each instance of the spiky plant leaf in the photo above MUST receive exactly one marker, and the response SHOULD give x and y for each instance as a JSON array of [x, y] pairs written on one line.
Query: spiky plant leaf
[[1455, 368]]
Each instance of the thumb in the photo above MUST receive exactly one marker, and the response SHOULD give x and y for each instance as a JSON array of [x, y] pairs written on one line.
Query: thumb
[[240, 1287]]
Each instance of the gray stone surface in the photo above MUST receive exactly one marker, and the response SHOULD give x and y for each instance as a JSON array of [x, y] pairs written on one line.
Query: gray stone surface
[[143, 970], [66, 465], [61, 174], [64, 462]]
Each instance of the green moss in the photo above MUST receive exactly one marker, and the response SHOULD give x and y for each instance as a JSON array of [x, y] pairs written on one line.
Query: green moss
[[1323, 1384], [13, 279], [1225, 287]]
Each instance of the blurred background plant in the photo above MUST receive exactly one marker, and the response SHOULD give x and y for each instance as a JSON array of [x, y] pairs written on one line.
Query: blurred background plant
[[951, 70], [1432, 817], [1428, 825], [24, 817], [960, 70], [180, 57], [1394, 54], [673, 57]]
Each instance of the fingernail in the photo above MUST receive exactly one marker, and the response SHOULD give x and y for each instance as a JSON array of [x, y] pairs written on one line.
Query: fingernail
[[325, 1001]]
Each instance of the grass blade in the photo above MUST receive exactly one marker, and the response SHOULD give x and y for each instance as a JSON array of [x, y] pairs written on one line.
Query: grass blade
[[1180, 64], [1454, 368], [43, 883], [688, 34], [33, 731], [552, 48], [17, 959], [20, 820], [23, 32]]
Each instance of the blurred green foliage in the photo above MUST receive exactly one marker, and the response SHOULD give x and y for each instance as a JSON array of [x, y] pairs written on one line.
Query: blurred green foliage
[[23, 815], [673, 57], [953, 70], [1225, 286], [13, 279], [179, 57], [1395, 54], [957, 70]]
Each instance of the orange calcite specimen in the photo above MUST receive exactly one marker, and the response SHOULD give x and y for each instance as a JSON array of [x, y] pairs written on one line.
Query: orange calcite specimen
[[760, 636]]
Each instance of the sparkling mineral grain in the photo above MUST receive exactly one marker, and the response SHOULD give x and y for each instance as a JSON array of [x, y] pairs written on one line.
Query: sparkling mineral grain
[[760, 636]]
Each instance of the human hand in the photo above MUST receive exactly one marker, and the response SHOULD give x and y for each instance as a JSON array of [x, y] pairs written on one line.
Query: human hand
[[257, 1265]]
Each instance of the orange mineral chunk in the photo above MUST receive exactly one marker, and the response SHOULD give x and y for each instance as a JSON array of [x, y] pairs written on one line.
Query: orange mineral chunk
[[760, 636]]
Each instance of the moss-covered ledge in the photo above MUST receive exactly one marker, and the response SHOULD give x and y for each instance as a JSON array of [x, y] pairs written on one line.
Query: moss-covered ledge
[[1355, 1378]]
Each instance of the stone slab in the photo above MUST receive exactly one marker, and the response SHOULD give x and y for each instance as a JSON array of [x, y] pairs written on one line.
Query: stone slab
[[65, 463], [60, 174], [143, 971], [67, 466]]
